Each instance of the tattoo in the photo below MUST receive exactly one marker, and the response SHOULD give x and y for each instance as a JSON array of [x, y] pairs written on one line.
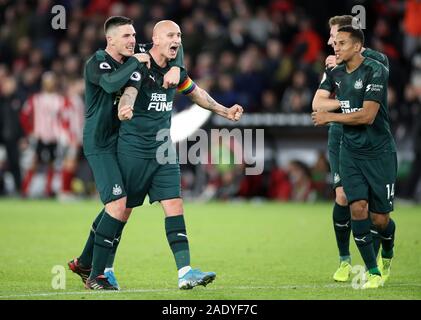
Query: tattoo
[[211, 101], [204, 100], [212, 105], [128, 98]]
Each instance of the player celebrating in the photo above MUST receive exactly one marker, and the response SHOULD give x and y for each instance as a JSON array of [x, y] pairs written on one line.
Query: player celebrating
[[148, 107], [368, 162], [341, 211], [106, 72]]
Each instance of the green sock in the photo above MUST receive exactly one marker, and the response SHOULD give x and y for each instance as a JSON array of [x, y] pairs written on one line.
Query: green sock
[[85, 258], [374, 270], [364, 241], [342, 227], [345, 259], [376, 239], [104, 238], [111, 257], [388, 239], [177, 239]]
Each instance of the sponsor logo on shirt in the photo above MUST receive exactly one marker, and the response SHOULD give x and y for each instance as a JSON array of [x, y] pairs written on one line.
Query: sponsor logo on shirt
[[159, 102], [374, 87], [346, 107]]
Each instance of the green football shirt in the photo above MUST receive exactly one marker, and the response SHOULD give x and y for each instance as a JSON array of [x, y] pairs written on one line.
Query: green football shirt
[[336, 128], [142, 136], [367, 83], [104, 80]]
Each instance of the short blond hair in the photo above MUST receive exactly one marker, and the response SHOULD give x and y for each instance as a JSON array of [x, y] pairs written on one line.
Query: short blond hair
[[341, 21]]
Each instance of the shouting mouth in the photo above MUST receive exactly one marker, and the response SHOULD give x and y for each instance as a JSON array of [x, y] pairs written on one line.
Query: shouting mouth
[[173, 50]]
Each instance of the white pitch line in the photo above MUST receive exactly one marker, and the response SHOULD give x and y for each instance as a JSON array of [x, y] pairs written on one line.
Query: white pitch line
[[285, 287]]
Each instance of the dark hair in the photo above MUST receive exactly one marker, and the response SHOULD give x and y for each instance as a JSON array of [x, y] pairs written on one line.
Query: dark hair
[[356, 33], [116, 21]]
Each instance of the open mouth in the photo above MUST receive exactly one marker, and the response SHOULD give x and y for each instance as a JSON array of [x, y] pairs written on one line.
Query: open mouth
[[173, 49]]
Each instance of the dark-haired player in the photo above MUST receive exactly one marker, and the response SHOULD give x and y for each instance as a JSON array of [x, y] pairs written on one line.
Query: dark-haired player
[[368, 162]]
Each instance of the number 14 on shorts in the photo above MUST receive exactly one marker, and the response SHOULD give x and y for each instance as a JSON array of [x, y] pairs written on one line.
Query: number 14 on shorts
[[390, 192]]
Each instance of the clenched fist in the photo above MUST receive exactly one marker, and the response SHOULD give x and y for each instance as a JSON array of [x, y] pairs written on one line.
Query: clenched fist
[[125, 113], [330, 61], [235, 112], [171, 78]]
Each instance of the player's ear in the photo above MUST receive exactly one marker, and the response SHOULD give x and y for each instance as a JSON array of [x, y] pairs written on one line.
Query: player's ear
[[155, 40], [110, 40], [357, 46]]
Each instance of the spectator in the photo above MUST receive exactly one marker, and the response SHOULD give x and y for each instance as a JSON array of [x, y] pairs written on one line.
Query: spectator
[[224, 91], [307, 43], [10, 130], [297, 97], [249, 81], [40, 120], [70, 135], [269, 102], [300, 178], [412, 27]]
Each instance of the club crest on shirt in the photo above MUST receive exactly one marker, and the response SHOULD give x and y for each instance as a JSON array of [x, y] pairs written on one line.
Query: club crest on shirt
[[358, 84]]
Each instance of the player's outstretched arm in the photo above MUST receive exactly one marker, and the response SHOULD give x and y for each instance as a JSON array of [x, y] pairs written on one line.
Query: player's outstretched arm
[[204, 100], [322, 102], [126, 103]]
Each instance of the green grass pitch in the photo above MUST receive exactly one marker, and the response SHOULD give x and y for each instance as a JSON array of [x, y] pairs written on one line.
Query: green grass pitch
[[258, 250]]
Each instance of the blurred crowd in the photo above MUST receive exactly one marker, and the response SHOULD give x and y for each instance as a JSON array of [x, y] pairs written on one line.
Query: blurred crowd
[[265, 55]]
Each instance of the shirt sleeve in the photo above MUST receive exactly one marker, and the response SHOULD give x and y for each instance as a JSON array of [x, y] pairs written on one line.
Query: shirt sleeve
[[376, 88], [102, 74], [327, 82], [186, 85], [376, 55], [136, 77]]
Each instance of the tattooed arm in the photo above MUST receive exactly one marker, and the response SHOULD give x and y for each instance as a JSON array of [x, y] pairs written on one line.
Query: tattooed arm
[[204, 100], [126, 103]]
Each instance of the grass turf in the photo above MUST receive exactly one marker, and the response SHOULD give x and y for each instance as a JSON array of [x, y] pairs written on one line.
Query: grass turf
[[259, 251]]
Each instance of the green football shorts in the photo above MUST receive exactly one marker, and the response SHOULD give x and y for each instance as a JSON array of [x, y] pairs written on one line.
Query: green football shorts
[[143, 177], [369, 179], [107, 175], [333, 146]]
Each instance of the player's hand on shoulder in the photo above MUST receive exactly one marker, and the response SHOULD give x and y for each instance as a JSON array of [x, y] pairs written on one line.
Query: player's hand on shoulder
[[144, 58], [235, 112], [125, 113], [330, 61], [171, 78]]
